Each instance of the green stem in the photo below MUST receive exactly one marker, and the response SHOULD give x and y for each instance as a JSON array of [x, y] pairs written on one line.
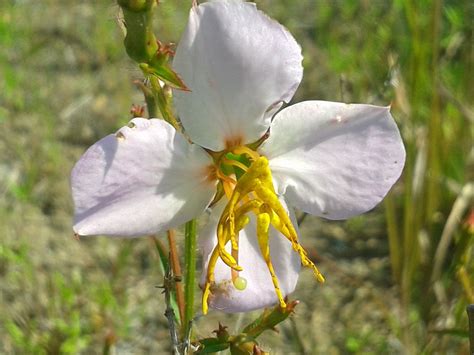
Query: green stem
[[151, 104], [176, 268], [140, 42], [190, 265]]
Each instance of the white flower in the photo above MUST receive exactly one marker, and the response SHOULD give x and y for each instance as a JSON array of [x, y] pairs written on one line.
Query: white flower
[[329, 159]]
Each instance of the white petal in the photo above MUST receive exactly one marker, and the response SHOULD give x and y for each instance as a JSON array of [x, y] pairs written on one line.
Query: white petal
[[259, 292], [145, 179], [238, 63], [332, 159]]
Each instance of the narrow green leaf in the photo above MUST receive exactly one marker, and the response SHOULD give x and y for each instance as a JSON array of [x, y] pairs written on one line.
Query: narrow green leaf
[[165, 73]]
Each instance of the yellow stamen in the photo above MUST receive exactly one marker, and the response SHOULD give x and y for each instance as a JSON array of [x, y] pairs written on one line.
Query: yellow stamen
[[245, 150], [284, 221], [252, 205], [234, 163], [252, 192], [240, 224], [263, 225], [227, 189], [222, 238], [219, 251], [209, 279]]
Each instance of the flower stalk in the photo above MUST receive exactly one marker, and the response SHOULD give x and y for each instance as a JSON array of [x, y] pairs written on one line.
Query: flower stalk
[[152, 58], [169, 281], [163, 100], [150, 100]]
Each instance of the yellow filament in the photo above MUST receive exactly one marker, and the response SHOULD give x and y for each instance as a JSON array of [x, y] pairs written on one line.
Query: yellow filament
[[222, 239], [285, 226], [245, 150], [263, 225], [252, 205], [209, 279], [219, 251], [240, 224], [235, 163], [227, 189]]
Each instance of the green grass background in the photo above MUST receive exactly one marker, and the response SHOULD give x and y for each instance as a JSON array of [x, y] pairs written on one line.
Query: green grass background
[[399, 278]]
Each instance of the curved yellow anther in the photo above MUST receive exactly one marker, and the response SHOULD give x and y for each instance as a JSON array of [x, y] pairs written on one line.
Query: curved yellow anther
[[259, 170], [222, 238], [263, 225], [276, 222], [252, 192], [241, 222], [209, 279], [271, 200], [252, 205], [219, 251]]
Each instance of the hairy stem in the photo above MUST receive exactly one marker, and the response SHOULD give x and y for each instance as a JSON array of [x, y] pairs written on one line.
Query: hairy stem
[[176, 268], [169, 280]]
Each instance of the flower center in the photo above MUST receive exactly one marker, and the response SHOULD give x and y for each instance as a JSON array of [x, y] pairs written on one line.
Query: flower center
[[247, 182]]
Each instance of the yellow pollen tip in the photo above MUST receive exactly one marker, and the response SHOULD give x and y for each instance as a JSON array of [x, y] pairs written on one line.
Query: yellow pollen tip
[[240, 283]]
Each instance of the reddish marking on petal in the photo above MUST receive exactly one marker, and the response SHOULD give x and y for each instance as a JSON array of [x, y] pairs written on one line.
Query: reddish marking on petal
[[210, 174], [234, 141]]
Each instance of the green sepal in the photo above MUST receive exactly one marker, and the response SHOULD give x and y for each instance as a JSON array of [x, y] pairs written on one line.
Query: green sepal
[[211, 345], [243, 344], [165, 73], [269, 319], [162, 100]]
